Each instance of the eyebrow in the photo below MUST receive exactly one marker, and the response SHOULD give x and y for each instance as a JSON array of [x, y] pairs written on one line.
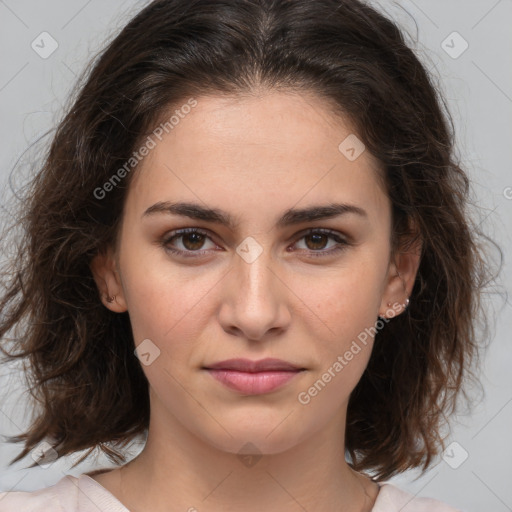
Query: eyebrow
[[290, 217]]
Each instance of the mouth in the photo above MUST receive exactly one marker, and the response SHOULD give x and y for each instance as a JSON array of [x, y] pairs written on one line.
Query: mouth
[[254, 377], [247, 365]]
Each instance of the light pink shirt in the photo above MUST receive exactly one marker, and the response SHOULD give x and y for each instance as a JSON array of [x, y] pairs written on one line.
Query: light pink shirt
[[84, 494]]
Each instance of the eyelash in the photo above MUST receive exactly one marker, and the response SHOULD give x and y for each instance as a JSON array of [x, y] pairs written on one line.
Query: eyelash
[[342, 243]]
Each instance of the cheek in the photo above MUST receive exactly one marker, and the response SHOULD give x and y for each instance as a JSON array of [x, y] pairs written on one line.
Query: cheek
[[348, 301], [347, 306], [165, 301], [167, 309]]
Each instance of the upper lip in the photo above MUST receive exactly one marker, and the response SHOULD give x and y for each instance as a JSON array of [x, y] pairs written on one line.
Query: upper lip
[[247, 365]]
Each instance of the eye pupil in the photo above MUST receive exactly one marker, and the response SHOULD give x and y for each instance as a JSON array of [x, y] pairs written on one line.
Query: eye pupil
[[197, 240], [317, 238]]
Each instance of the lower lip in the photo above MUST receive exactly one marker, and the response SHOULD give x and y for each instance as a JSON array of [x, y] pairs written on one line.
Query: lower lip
[[253, 383]]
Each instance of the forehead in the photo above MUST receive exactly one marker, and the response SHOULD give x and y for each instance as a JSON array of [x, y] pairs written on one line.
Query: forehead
[[271, 148]]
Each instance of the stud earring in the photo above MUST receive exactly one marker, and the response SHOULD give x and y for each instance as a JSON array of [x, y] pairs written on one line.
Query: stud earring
[[111, 299], [407, 301], [389, 304]]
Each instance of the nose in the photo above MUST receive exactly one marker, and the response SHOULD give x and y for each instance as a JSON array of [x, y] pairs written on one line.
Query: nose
[[255, 299]]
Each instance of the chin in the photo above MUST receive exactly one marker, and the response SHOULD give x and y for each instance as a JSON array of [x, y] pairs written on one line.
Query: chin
[[264, 439]]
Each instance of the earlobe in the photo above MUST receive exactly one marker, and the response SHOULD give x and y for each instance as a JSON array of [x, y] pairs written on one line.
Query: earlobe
[[401, 278], [104, 270]]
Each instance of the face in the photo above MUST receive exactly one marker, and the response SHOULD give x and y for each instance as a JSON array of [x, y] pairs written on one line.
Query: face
[[285, 278]]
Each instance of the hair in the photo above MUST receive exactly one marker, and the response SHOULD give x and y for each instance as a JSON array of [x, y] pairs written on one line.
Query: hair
[[82, 369]]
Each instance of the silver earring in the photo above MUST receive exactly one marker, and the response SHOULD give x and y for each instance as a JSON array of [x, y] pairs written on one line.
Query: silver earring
[[111, 299], [407, 301]]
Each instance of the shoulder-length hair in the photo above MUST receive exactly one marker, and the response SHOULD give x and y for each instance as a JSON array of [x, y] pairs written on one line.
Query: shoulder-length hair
[[83, 372]]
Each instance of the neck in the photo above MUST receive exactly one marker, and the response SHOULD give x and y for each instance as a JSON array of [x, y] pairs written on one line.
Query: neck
[[186, 473]]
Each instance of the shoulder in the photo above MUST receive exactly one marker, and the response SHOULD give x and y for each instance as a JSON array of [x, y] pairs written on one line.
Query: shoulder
[[60, 497], [69, 494], [393, 499]]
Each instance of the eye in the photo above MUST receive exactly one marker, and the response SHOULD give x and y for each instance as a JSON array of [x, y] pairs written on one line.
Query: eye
[[316, 241], [192, 239], [190, 242]]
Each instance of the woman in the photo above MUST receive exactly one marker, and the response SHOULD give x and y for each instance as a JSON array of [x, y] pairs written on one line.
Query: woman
[[248, 243]]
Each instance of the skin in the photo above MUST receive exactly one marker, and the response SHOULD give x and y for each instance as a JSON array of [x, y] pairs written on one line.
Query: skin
[[252, 157]]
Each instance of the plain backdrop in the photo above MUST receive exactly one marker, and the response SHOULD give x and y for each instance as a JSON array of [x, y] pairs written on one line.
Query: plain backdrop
[[466, 44]]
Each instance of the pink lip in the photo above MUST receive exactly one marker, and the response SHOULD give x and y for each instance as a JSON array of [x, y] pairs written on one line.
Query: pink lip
[[253, 383], [247, 365], [253, 377]]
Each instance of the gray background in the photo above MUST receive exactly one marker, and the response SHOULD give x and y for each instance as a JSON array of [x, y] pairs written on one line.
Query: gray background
[[478, 86]]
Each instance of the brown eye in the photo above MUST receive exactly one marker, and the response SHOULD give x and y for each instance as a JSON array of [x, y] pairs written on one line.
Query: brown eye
[[193, 241], [318, 241], [187, 242], [322, 242]]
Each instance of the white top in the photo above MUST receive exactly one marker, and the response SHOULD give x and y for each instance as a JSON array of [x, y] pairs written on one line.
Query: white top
[[84, 494]]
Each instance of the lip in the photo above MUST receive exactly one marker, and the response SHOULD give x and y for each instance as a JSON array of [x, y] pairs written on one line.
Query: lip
[[254, 377], [247, 365]]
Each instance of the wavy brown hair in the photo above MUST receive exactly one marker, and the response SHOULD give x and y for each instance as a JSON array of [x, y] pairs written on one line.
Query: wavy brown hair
[[82, 372]]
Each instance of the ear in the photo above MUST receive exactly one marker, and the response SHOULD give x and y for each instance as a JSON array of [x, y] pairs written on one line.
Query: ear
[[401, 276], [104, 270]]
